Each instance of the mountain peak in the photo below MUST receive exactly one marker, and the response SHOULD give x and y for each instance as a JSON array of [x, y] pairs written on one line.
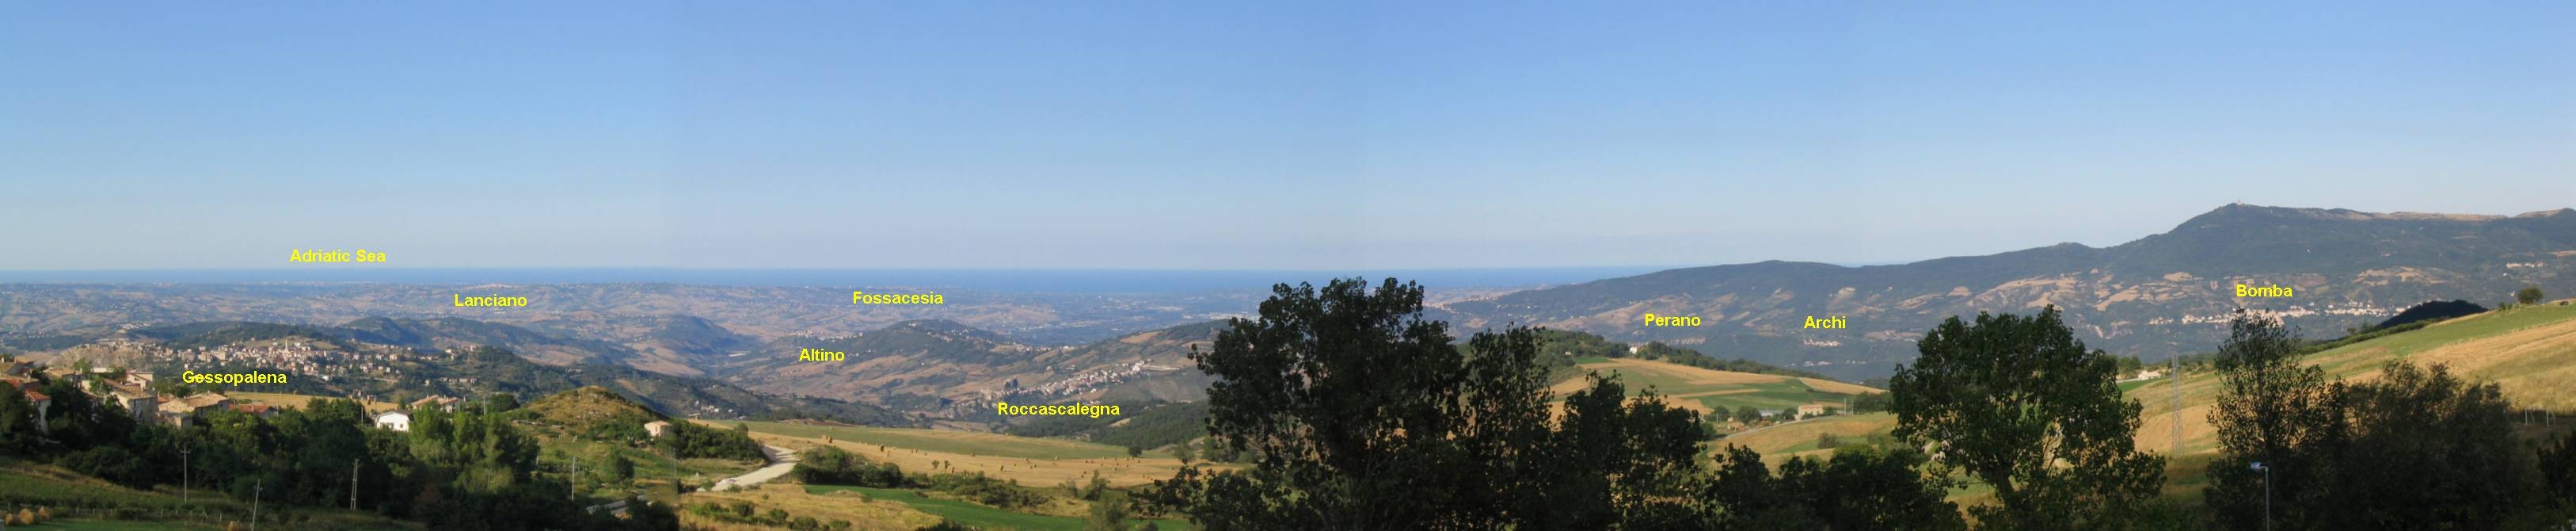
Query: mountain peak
[[2233, 213]]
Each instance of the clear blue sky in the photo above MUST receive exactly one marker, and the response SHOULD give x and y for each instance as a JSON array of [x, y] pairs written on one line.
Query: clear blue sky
[[1191, 135]]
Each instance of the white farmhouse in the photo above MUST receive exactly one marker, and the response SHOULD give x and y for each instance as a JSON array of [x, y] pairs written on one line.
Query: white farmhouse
[[394, 420]]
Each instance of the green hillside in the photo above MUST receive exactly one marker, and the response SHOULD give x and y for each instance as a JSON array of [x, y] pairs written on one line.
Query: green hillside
[[589, 406]]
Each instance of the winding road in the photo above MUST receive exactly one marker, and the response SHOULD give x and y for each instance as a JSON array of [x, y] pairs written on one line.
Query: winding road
[[781, 460]]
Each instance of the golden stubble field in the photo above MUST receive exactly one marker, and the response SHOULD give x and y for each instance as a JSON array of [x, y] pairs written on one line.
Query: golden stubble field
[[1118, 470]]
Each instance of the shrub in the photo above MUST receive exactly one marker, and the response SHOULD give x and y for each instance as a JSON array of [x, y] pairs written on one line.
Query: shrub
[[832, 466]]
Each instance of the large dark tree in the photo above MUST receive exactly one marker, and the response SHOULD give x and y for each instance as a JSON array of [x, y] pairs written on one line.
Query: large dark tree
[[2411, 448], [2429, 451], [1357, 413], [2558, 471], [1859, 488], [18, 434], [2275, 411], [1615, 461], [2019, 404]]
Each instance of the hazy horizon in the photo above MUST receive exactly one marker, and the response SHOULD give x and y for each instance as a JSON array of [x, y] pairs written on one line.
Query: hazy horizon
[[1005, 280]]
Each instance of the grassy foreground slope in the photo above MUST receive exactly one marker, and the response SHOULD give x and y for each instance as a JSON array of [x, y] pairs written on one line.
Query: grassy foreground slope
[[83, 502], [2529, 351]]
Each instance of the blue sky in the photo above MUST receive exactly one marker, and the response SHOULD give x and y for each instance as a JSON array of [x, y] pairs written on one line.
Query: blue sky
[[1288, 136]]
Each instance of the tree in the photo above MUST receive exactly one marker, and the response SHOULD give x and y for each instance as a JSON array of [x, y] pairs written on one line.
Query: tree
[[1748, 415], [2528, 295], [1134, 452], [1615, 461], [833, 466], [2275, 411], [1109, 513], [1357, 413], [2429, 451], [1870, 403], [2018, 403], [1860, 488], [500, 402], [619, 469], [2558, 470], [17, 422]]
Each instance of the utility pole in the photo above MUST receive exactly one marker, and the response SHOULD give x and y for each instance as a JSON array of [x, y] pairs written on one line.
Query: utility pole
[[2173, 372], [183, 474], [255, 489], [2267, 494], [353, 484]]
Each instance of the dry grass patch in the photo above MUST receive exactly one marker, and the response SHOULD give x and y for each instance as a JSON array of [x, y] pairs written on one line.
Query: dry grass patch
[[1784, 439], [856, 508], [1120, 471]]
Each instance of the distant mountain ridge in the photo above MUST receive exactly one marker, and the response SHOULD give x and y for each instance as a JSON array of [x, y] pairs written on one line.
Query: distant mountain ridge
[[2153, 297]]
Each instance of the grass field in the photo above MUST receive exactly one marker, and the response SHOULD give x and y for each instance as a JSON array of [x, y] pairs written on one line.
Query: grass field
[[1704, 390], [947, 441], [972, 514], [1799, 438], [864, 514], [96, 525], [1033, 461]]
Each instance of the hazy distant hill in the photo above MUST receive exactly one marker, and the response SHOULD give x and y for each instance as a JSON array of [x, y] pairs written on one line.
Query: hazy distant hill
[[451, 332], [2154, 297], [931, 364], [625, 313]]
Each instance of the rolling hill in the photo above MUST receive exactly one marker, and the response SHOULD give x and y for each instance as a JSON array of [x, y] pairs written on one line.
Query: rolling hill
[[935, 365], [452, 332], [2159, 296]]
